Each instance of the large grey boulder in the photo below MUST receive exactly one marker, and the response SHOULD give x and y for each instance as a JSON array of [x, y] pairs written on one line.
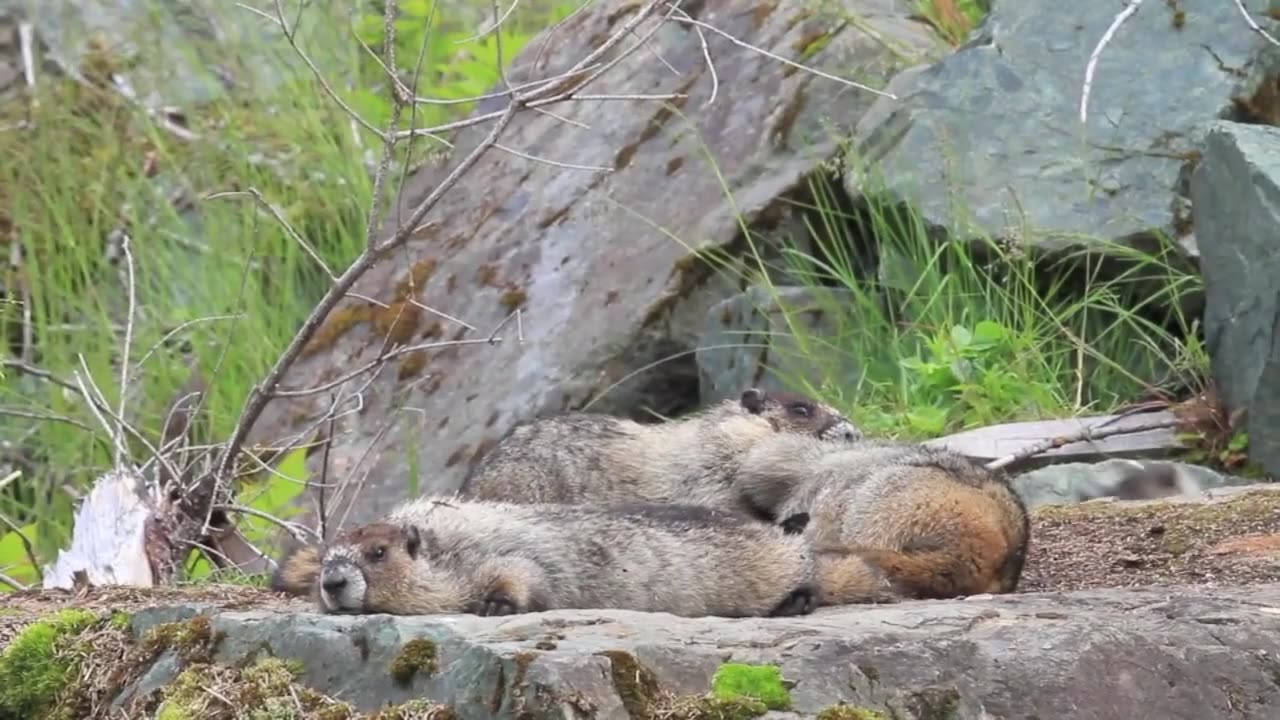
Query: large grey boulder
[[776, 337], [1168, 653], [1236, 203], [994, 130], [1075, 482], [600, 263]]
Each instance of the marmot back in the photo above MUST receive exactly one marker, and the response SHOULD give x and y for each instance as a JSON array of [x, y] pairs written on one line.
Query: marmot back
[[434, 555], [938, 524], [577, 458]]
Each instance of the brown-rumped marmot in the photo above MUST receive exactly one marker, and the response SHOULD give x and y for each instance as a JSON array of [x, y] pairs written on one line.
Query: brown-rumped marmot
[[445, 554], [579, 458], [938, 524]]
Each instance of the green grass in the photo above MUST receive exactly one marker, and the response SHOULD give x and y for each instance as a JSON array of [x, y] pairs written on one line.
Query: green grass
[[94, 163], [939, 335]]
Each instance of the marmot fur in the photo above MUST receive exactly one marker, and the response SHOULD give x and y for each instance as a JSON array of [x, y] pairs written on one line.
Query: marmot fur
[[590, 458], [938, 524], [439, 555]]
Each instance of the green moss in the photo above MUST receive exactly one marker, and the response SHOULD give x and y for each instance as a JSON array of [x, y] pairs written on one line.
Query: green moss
[[416, 710], [193, 640], [850, 712], [934, 703], [35, 667], [418, 655], [635, 684], [264, 690], [757, 682]]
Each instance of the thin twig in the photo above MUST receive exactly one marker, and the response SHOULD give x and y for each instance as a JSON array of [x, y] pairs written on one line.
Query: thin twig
[[26, 545], [1092, 65], [130, 316], [684, 18], [1085, 434], [7, 580], [1253, 24]]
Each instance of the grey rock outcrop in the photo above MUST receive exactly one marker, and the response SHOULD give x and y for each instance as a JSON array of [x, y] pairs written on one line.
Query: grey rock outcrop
[[189, 52], [1169, 653], [1075, 482], [995, 126], [1236, 200], [610, 299], [774, 337]]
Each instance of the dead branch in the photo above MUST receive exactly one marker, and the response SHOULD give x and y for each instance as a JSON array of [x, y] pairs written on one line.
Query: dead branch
[[1085, 434], [1092, 65]]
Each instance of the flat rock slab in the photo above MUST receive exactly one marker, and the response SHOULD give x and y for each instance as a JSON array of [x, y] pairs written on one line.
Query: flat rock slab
[[1197, 636], [1179, 652], [988, 443]]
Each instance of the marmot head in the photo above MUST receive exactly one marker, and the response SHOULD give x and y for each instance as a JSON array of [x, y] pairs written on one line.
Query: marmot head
[[385, 568], [794, 413]]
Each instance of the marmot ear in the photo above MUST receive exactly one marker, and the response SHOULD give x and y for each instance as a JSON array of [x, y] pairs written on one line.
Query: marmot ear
[[794, 524], [752, 400], [412, 540]]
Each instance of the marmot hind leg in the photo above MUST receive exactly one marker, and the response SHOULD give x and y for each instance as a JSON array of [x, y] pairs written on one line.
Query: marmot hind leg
[[800, 601]]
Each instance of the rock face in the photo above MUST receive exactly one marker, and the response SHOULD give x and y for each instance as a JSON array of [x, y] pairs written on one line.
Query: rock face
[[996, 126], [749, 341], [1168, 653], [590, 257], [1236, 199], [1074, 482]]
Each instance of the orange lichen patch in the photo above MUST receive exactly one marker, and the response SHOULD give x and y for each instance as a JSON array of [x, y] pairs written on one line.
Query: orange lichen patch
[[456, 456], [432, 331], [481, 450], [760, 13], [433, 385], [513, 298], [487, 275], [1252, 546], [412, 364], [417, 277], [339, 322], [399, 322]]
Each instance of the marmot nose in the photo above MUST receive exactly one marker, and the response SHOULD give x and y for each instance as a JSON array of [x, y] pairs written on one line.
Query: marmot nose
[[333, 584]]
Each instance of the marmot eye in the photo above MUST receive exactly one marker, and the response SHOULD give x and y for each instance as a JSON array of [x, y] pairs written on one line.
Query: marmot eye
[[801, 410], [378, 552]]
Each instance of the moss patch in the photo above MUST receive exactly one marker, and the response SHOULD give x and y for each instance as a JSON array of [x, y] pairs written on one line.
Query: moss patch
[[266, 689], [39, 664], [755, 682], [934, 703], [192, 640], [417, 656], [635, 684], [850, 712], [711, 708]]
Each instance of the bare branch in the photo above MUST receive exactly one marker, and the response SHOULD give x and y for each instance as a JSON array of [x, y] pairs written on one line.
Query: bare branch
[[685, 18], [1086, 434], [130, 317], [1092, 65], [1253, 24], [26, 544]]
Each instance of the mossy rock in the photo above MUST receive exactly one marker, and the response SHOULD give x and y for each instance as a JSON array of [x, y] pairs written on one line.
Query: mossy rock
[[762, 683], [41, 662]]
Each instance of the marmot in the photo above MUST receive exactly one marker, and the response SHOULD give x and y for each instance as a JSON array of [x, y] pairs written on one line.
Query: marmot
[[445, 554], [579, 458], [938, 524]]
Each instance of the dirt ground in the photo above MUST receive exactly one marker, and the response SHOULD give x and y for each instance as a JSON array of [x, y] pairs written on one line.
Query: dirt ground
[[1229, 541], [1233, 541]]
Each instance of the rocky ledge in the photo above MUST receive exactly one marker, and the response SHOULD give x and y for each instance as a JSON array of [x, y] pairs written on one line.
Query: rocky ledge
[[1198, 637]]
